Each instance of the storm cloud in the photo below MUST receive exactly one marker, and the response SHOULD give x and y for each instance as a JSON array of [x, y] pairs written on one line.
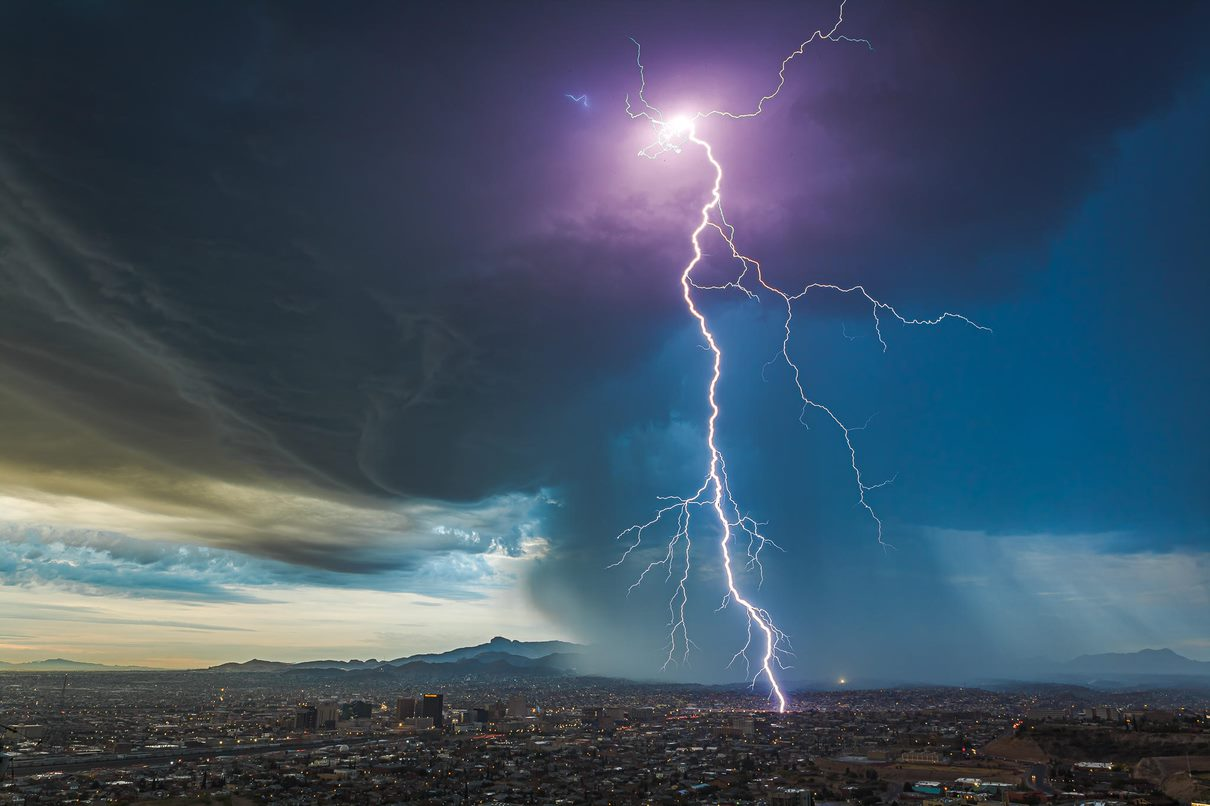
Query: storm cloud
[[361, 293]]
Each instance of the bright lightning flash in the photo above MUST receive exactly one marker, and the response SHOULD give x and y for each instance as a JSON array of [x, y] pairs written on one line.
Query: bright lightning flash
[[673, 135]]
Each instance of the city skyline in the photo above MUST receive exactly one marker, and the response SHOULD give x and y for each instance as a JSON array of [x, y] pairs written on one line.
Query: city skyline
[[349, 335]]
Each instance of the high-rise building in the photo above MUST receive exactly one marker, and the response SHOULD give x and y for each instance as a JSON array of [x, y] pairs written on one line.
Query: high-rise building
[[431, 706], [517, 706], [357, 709], [305, 718], [405, 708], [326, 715]]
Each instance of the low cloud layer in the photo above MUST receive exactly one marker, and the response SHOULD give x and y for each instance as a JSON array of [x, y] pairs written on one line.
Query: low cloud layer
[[111, 564]]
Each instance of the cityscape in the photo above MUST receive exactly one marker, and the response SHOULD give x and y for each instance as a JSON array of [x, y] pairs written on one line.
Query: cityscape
[[469, 403], [314, 736]]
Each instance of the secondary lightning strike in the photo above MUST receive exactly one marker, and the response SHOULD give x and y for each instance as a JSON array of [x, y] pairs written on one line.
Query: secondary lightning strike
[[715, 493], [582, 100]]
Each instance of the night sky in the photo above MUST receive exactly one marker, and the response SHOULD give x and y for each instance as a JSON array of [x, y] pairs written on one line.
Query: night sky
[[341, 331]]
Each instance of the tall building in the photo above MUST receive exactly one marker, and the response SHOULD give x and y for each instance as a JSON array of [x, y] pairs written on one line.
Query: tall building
[[431, 706], [405, 708], [305, 718], [517, 706], [357, 709], [326, 715]]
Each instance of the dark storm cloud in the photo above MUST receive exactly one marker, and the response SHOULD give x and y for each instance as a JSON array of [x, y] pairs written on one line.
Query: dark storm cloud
[[294, 237], [947, 160], [326, 283], [206, 258]]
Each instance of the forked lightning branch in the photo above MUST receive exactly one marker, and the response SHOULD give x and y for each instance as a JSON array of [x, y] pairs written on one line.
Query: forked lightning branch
[[740, 539]]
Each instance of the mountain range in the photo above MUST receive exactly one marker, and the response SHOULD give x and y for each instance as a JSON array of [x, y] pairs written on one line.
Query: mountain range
[[64, 665], [1143, 662], [499, 656], [505, 658]]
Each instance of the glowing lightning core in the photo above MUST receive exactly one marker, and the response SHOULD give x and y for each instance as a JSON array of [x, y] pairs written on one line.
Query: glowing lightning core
[[672, 135]]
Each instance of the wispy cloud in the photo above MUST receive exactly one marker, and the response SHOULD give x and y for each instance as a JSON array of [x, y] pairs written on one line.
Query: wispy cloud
[[462, 564], [26, 612]]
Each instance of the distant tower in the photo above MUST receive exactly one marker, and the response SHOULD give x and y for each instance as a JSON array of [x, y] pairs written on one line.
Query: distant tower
[[305, 717], [326, 716], [431, 706], [405, 708]]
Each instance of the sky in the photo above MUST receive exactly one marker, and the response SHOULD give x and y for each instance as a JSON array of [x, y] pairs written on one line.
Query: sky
[[345, 332]]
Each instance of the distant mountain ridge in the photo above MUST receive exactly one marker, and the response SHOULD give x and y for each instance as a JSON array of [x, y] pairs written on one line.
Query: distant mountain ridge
[[502, 657], [513, 654], [484, 666], [1107, 671], [64, 665], [1143, 662], [254, 665], [524, 649]]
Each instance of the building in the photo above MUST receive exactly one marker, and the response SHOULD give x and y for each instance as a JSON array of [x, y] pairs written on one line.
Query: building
[[357, 709], [790, 797], [517, 706], [744, 726], [920, 757], [431, 706], [1103, 714], [405, 708], [326, 716], [306, 717]]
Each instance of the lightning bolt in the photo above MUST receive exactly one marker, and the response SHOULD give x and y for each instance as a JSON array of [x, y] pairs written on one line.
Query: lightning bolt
[[579, 99], [673, 135]]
